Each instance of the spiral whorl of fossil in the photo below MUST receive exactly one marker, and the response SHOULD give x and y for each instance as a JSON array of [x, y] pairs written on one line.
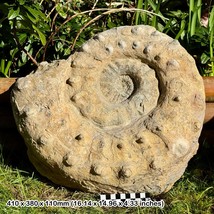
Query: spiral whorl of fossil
[[122, 114]]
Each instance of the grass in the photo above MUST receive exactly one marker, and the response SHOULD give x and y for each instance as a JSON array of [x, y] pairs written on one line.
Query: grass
[[193, 193]]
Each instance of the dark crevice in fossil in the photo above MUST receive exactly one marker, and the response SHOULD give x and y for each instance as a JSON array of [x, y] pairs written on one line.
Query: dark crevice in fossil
[[119, 146], [79, 137], [161, 85], [69, 82], [136, 82], [139, 141]]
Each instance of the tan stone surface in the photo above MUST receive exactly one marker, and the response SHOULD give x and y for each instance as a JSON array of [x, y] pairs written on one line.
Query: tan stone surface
[[121, 115]]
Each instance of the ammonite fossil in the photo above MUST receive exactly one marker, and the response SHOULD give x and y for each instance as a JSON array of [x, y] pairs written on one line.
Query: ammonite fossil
[[123, 114]]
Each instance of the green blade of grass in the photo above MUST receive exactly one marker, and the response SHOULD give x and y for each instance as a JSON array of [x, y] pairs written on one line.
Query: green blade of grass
[[194, 16], [191, 8], [168, 27], [145, 16], [2, 65], [6, 71], [182, 28], [211, 32], [193, 23], [139, 6], [9, 63], [154, 19], [199, 6], [154, 7], [203, 193]]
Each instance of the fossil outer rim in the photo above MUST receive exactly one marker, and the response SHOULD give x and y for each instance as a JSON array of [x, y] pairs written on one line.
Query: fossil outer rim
[[79, 136]]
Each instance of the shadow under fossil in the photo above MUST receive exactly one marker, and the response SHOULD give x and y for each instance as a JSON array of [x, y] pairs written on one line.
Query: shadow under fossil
[[13, 153]]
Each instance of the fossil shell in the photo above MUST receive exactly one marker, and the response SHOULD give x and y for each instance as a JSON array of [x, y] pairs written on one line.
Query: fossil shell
[[123, 114]]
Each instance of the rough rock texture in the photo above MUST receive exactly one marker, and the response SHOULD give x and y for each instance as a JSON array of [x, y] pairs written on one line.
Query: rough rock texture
[[121, 115]]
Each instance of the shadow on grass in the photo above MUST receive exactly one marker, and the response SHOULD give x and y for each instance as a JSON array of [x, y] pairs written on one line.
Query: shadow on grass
[[202, 164], [13, 152]]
